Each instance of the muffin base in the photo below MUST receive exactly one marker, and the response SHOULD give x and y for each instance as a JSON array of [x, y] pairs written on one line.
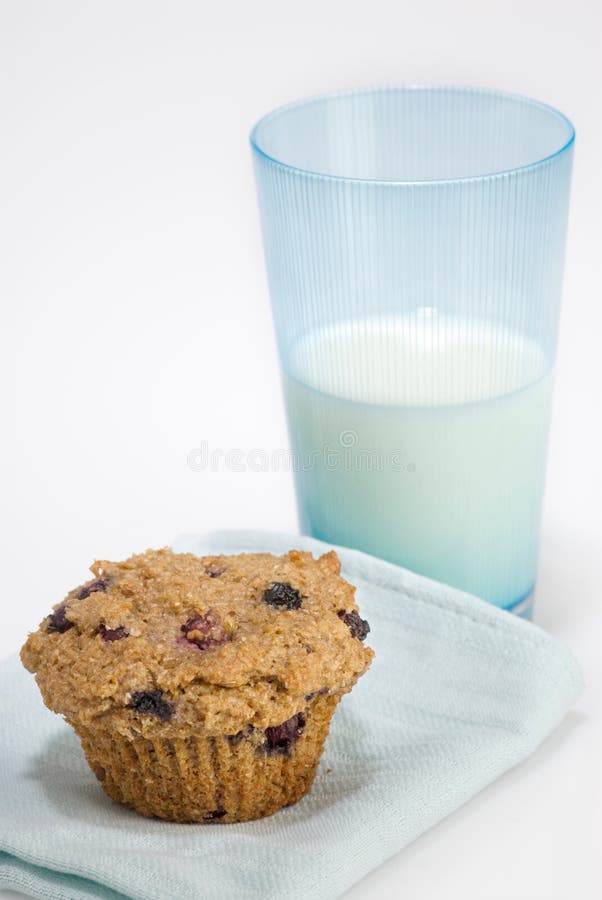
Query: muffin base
[[211, 779]]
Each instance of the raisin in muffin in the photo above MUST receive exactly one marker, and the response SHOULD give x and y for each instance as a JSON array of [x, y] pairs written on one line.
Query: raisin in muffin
[[202, 688]]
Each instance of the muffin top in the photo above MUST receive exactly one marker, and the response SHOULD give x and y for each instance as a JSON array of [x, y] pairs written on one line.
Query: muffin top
[[167, 641]]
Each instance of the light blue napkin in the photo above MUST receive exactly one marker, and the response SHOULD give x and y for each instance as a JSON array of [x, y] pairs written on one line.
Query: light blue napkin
[[458, 693]]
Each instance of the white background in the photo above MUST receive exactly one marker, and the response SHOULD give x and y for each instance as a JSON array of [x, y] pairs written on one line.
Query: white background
[[135, 325]]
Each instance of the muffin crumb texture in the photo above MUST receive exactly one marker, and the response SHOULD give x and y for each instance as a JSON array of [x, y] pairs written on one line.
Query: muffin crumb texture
[[202, 688]]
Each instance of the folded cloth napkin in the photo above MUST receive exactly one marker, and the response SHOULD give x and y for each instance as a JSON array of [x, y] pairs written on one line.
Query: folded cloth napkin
[[458, 693]]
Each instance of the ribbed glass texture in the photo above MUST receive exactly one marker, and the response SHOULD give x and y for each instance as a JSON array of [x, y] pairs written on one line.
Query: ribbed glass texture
[[414, 240]]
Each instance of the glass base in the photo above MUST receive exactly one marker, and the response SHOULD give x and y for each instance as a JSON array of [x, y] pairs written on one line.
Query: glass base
[[522, 607]]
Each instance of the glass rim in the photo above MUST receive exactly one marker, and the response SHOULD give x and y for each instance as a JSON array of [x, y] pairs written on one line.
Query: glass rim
[[451, 88]]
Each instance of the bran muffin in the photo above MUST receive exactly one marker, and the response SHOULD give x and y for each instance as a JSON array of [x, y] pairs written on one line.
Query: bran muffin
[[202, 688]]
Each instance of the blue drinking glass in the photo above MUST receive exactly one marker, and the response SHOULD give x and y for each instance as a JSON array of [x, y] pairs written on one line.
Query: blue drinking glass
[[414, 239]]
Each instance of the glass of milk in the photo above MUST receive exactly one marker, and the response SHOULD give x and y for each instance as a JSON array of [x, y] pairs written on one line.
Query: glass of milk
[[414, 240]]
